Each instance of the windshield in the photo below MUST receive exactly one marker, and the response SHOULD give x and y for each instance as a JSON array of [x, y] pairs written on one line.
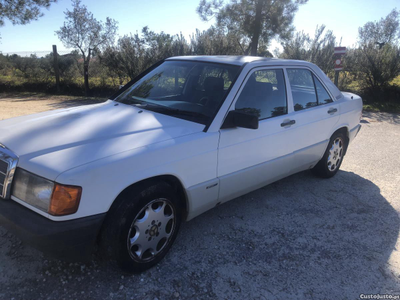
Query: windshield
[[185, 89]]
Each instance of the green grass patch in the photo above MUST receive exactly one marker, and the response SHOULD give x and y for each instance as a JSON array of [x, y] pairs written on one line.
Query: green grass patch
[[383, 107]]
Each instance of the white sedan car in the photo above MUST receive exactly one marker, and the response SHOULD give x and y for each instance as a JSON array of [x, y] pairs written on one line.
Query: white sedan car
[[185, 136]]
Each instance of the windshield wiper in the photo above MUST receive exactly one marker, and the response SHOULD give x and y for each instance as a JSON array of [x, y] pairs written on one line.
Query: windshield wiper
[[132, 101], [137, 101], [162, 108]]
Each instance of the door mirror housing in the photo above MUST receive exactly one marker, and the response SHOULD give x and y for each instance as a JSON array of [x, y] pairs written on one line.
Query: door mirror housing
[[237, 118]]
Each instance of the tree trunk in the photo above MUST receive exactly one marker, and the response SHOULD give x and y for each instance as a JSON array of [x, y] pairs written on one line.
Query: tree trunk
[[86, 72], [56, 70], [86, 78], [257, 28]]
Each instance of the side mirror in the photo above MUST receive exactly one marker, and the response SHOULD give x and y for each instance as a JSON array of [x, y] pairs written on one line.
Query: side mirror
[[237, 118]]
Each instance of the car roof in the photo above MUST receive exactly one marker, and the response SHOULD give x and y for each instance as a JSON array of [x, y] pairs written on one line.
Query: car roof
[[239, 60]]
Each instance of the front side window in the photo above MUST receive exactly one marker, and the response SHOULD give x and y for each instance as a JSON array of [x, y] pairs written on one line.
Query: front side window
[[185, 89], [303, 91], [264, 94]]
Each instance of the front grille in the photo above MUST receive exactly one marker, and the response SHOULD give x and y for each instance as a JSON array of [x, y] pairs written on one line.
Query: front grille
[[3, 166], [8, 163], [3, 173]]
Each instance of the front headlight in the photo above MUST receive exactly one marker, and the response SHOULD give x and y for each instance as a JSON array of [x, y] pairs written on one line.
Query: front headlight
[[32, 189], [54, 198]]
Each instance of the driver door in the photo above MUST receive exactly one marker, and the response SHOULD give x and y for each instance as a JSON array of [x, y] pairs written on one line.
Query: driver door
[[251, 158]]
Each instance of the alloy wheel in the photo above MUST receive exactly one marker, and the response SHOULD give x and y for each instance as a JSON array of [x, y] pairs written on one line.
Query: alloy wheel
[[335, 154], [151, 230]]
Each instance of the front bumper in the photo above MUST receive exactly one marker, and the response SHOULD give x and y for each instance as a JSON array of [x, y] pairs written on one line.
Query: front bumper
[[72, 239]]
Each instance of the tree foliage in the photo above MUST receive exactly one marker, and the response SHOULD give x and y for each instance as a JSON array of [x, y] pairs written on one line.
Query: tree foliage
[[134, 53], [386, 30], [376, 60], [215, 42], [318, 50], [85, 33], [242, 27], [22, 11], [252, 21]]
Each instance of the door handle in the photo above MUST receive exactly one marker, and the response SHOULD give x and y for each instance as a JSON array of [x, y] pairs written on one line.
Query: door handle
[[288, 123], [332, 111]]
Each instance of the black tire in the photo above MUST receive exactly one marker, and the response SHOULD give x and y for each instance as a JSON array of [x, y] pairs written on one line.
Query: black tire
[[133, 205], [325, 168]]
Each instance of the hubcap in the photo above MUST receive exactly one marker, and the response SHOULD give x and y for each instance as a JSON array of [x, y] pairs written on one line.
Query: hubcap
[[335, 154], [151, 230]]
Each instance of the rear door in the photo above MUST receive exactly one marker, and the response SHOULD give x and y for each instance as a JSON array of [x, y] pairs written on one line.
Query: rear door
[[251, 158], [316, 115]]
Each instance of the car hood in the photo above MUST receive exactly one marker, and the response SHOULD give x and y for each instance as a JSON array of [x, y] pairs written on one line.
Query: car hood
[[52, 142]]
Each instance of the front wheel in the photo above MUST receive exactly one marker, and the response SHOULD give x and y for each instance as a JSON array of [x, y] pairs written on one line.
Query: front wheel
[[142, 229], [330, 163]]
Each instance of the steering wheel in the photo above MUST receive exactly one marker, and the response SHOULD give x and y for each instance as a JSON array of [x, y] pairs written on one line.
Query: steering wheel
[[204, 101]]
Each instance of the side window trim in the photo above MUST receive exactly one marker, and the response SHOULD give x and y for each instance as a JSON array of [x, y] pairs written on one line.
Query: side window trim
[[289, 95], [315, 87], [263, 68]]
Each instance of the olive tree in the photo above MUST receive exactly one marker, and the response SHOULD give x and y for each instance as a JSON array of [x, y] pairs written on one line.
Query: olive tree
[[318, 49], [252, 21], [126, 59], [22, 11], [214, 41], [376, 60], [134, 53], [83, 32]]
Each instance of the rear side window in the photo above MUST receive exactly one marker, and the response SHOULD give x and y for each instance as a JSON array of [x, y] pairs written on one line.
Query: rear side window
[[303, 90], [264, 94], [323, 96]]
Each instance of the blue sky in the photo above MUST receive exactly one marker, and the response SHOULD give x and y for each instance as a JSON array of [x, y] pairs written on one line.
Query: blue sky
[[174, 16]]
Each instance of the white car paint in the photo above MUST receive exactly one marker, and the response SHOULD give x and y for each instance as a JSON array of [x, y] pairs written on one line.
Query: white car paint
[[105, 148]]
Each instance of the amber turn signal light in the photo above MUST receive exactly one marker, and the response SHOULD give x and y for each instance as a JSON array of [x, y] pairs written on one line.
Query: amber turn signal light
[[65, 199]]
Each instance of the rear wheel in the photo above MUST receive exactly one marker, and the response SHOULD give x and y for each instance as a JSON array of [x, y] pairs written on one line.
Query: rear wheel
[[141, 230], [330, 163]]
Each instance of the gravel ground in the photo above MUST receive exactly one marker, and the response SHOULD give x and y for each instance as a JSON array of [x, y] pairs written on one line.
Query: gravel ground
[[301, 237], [14, 105]]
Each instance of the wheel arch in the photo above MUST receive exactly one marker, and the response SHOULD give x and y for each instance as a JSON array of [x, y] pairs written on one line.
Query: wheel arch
[[167, 178]]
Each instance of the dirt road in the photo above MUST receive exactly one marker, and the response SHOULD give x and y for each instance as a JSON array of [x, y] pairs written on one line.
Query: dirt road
[[14, 105]]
